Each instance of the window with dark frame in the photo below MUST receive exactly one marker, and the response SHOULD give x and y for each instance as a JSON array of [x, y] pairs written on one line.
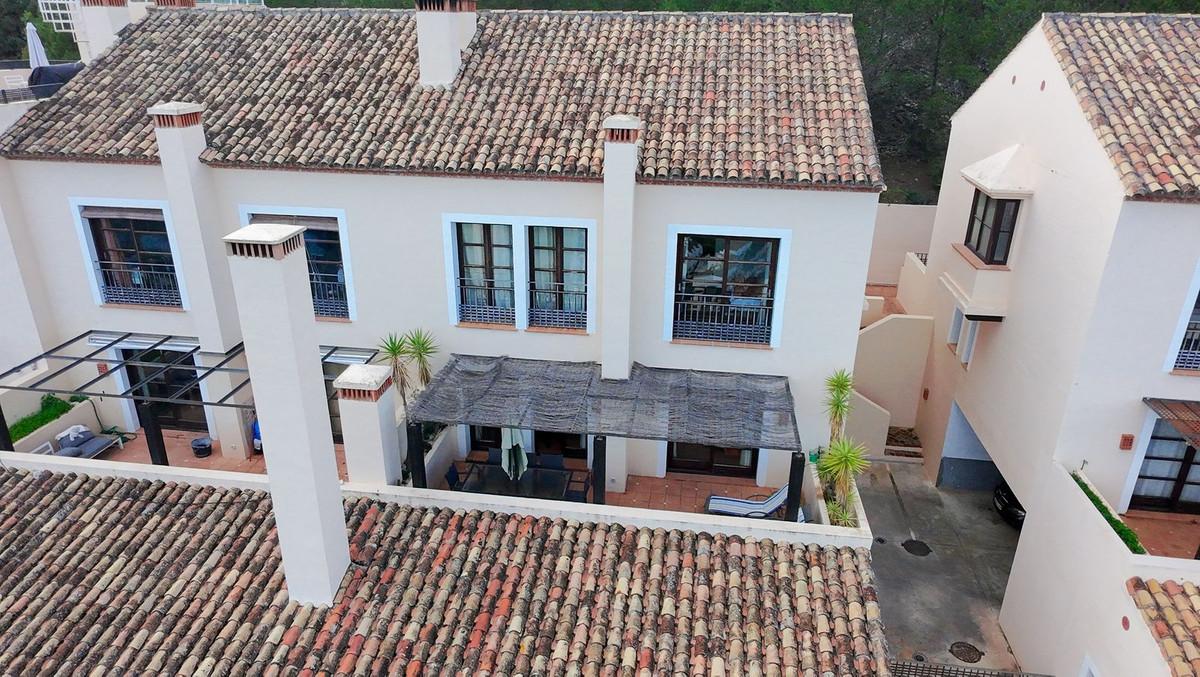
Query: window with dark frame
[[725, 288], [133, 256], [326, 270], [485, 273], [990, 229], [558, 277]]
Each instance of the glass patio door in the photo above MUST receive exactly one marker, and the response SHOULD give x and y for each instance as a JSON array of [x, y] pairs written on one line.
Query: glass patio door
[[700, 458], [164, 384], [1169, 478]]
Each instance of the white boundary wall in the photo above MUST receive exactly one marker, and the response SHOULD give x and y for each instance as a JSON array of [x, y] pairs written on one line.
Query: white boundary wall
[[1066, 598], [819, 534], [899, 229]]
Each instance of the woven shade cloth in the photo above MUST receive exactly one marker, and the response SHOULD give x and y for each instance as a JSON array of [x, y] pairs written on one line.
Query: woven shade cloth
[[1183, 415], [700, 407]]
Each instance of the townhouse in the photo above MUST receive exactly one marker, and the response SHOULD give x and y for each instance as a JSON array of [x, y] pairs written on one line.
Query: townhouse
[[1063, 277], [674, 190]]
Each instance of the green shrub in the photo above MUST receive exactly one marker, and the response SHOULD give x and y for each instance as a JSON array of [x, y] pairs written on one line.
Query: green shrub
[[52, 408], [1127, 535]]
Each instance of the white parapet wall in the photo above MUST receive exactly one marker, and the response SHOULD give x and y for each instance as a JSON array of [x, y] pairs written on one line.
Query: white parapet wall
[[867, 424], [872, 310], [889, 367], [1067, 600], [899, 229], [818, 534], [914, 289]]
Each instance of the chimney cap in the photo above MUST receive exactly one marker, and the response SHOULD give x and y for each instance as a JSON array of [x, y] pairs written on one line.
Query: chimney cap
[[623, 121], [175, 108], [263, 233], [446, 5], [363, 377]]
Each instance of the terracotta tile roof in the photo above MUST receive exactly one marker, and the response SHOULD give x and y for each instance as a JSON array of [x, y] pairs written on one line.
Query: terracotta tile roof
[[121, 575], [727, 98], [1137, 77], [1172, 610]]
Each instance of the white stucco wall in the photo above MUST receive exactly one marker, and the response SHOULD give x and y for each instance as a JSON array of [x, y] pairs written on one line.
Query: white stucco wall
[[395, 239], [1147, 291], [890, 364], [1015, 389], [899, 229], [1066, 594]]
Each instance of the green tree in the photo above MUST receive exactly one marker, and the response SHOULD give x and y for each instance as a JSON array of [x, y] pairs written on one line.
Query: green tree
[[12, 28]]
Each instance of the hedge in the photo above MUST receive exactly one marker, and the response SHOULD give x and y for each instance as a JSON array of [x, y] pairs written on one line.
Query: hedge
[[52, 408], [1127, 535]]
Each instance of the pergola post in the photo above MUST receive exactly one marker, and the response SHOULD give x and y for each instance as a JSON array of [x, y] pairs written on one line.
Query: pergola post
[[795, 486], [416, 456], [153, 432], [6, 443], [599, 473]]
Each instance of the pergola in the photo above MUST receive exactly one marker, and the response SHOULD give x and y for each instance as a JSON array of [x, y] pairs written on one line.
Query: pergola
[[97, 347], [721, 409]]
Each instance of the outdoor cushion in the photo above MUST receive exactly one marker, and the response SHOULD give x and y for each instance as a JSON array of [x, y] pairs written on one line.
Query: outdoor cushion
[[71, 452]]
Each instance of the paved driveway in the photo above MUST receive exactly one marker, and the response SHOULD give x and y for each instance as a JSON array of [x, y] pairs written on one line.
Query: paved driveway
[[953, 593]]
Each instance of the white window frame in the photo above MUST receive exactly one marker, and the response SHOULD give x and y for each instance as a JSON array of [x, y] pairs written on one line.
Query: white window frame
[[88, 248], [966, 347], [246, 210], [520, 242], [1184, 318], [956, 324], [674, 230]]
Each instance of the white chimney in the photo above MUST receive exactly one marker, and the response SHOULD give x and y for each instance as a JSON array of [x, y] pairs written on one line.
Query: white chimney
[[98, 23], [621, 142], [444, 29], [270, 275]]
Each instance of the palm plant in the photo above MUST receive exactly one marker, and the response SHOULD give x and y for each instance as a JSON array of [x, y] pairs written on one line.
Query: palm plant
[[841, 514], [421, 349], [844, 460], [394, 350], [415, 347], [838, 388]]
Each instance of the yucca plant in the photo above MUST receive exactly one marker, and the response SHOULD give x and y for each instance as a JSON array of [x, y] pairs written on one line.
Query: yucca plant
[[841, 514], [394, 349], [844, 460], [838, 388], [421, 348]]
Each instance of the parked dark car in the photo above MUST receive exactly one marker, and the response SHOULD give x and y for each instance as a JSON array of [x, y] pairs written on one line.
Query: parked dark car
[[1008, 506]]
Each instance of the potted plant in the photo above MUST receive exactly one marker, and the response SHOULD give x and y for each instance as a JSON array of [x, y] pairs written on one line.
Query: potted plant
[[844, 459]]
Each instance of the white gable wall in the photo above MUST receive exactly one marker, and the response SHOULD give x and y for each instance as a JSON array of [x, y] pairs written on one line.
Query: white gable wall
[[1015, 388]]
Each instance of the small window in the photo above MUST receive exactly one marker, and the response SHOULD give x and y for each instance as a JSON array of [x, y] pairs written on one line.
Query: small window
[[558, 277], [966, 347], [990, 230], [326, 272], [956, 325], [485, 273], [133, 256]]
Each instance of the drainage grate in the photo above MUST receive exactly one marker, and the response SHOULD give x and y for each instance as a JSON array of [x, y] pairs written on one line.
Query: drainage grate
[[922, 669], [880, 540], [966, 652], [915, 547]]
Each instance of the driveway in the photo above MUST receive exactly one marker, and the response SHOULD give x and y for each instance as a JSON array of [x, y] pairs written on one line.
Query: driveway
[[950, 590]]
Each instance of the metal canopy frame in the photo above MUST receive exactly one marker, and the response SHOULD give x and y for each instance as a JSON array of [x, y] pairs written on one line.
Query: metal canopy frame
[[93, 346], [63, 353]]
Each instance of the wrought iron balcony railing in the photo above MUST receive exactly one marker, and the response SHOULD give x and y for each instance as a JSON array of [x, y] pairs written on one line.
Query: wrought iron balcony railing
[[556, 306], [737, 319], [923, 257], [1189, 350], [328, 294], [486, 301], [145, 284]]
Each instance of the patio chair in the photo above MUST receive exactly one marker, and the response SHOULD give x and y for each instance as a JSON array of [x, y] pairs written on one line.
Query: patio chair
[[756, 506], [552, 461], [577, 487], [493, 455]]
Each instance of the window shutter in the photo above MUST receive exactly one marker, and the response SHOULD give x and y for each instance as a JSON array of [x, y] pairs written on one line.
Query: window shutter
[[312, 222]]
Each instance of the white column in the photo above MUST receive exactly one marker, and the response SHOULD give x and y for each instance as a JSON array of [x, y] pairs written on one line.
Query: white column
[[615, 464], [197, 226], [228, 425], [270, 270], [616, 249], [97, 25], [367, 403]]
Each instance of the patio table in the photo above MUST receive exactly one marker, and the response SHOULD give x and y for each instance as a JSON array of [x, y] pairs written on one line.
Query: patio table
[[535, 483]]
